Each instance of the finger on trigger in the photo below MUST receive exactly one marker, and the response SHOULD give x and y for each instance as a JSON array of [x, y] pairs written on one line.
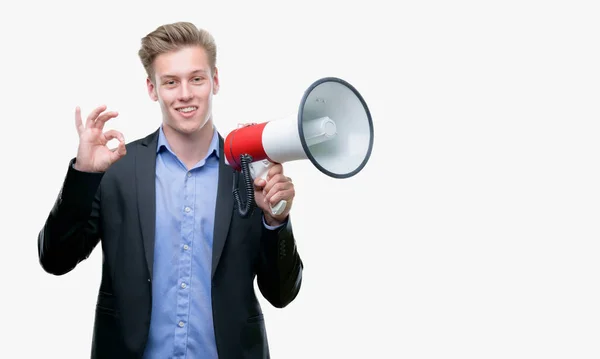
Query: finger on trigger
[[275, 169], [273, 181]]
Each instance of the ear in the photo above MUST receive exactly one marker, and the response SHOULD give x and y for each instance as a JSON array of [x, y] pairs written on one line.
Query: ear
[[151, 89], [216, 81]]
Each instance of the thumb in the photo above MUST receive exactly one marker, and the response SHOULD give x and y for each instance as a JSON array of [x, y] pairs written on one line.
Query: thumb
[[259, 183], [118, 152]]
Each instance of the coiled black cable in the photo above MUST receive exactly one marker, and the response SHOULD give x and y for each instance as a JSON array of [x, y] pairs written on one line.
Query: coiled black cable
[[244, 209]]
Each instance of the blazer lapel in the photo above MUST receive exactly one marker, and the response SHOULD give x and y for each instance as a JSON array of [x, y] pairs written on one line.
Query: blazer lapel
[[224, 208], [145, 167]]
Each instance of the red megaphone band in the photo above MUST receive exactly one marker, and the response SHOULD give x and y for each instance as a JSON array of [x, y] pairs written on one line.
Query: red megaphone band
[[245, 140]]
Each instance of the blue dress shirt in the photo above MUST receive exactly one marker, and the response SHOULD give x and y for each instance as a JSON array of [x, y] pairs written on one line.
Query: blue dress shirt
[[181, 324]]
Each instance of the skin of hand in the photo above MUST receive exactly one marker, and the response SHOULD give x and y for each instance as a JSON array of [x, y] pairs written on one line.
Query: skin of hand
[[93, 154], [274, 189]]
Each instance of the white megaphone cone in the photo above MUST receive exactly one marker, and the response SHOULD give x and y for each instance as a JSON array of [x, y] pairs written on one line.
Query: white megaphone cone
[[333, 129]]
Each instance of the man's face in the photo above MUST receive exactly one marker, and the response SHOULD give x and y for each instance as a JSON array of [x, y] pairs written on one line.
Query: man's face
[[184, 85]]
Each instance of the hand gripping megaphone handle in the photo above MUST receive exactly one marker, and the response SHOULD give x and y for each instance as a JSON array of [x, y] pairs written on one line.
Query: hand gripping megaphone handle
[[332, 128], [261, 169]]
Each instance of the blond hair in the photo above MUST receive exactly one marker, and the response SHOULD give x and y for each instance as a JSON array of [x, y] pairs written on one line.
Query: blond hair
[[171, 37]]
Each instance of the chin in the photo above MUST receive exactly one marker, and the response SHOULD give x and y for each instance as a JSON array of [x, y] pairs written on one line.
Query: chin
[[188, 126]]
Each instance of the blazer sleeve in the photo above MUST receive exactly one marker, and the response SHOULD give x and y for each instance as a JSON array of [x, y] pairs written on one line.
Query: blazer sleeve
[[280, 268], [71, 230]]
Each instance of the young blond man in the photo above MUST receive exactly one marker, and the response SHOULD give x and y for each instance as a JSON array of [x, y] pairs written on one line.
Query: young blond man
[[178, 262]]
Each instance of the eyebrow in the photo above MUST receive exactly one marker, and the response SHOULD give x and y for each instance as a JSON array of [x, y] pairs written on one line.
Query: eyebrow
[[167, 76]]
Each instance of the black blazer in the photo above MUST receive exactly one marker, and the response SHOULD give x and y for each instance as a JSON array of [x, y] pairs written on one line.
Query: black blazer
[[117, 209]]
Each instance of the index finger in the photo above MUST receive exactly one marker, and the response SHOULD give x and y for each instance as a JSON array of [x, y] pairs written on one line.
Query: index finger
[[99, 123], [93, 115], [275, 169], [78, 122]]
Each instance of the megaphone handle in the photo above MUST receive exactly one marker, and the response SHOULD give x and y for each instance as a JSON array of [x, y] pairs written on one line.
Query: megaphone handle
[[261, 169]]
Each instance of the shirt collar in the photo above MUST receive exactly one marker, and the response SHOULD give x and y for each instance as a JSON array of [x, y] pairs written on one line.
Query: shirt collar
[[212, 149]]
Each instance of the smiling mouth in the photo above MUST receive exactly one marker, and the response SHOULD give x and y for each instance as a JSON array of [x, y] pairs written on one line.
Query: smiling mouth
[[187, 109]]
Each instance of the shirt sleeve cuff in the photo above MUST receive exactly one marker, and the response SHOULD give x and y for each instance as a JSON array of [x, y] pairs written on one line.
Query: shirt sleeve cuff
[[272, 227]]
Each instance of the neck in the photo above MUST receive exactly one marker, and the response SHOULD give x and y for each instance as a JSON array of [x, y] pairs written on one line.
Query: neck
[[190, 148]]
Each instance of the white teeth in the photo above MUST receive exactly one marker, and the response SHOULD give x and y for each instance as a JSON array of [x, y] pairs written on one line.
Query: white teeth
[[187, 109]]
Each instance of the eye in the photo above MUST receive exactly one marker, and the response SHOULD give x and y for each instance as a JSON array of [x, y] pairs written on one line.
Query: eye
[[169, 83], [197, 79]]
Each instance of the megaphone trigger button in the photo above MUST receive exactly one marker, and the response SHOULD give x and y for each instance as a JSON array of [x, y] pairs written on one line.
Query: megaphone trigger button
[[240, 125]]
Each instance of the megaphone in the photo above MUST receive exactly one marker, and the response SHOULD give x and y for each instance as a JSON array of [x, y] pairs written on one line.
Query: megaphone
[[333, 129]]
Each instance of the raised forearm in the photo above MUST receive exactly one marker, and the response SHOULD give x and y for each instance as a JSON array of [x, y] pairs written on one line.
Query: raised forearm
[[280, 274], [70, 232]]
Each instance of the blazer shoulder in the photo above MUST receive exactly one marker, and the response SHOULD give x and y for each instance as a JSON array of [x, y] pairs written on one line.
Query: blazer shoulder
[[127, 163], [151, 140]]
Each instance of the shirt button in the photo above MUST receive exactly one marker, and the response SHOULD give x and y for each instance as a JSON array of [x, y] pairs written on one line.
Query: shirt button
[[186, 247], [183, 285], [189, 174], [187, 209], [181, 324]]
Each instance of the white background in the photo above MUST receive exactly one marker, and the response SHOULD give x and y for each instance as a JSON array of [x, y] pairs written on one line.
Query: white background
[[471, 233]]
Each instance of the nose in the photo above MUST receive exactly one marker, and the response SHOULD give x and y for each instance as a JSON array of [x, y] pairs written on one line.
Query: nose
[[186, 92]]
